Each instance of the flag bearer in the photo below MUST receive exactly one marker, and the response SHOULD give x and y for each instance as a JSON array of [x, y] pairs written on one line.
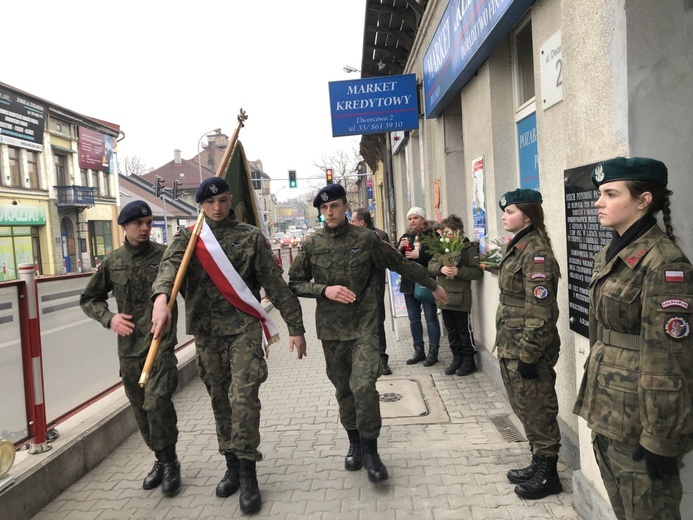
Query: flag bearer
[[232, 261]]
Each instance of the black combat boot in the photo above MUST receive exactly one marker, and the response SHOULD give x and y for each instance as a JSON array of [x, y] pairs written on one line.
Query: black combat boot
[[386, 368], [456, 363], [377, 472], [153, 479], [353, 460], [171, 479], [545, 481], [250, 499], [229, 484], [419, 354], [468, 366], [432, 357], [518, 476]]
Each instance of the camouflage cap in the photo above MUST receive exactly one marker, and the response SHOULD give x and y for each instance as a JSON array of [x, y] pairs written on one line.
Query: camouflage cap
[[211, 187], [133, 210], [329, 193], [519, 196], [633, 169]]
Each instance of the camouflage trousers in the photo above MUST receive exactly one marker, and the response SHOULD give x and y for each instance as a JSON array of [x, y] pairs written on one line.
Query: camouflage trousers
[[535, 403], [153, 405], [353, 367], [632, 494], [233, 368]]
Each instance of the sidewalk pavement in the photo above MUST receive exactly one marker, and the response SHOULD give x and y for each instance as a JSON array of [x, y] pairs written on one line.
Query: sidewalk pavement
[[450, 468]]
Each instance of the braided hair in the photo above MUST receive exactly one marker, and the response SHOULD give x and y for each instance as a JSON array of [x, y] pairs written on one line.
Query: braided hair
[[535, 213], [660, 201]]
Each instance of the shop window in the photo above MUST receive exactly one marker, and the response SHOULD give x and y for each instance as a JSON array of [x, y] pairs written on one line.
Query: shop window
[[101, 238], [60, 163], [15, 179], [32, 169], [15, 249]]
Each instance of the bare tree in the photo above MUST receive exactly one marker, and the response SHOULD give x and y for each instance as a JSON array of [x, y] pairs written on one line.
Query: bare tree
[[344, 164], [133, 165]]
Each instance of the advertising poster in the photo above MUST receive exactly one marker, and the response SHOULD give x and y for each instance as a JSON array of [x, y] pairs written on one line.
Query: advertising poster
[[96, 150], [399, 308], [21, 121], [479, 203]]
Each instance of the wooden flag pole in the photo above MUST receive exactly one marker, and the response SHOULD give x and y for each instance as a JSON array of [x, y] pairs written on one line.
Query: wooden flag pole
[[189, 250]]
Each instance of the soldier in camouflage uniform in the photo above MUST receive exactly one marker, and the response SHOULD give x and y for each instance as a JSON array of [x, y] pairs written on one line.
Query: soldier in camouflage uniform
[[527, 338], [228, 341], [338, 266], [129, 272], [636, 390]]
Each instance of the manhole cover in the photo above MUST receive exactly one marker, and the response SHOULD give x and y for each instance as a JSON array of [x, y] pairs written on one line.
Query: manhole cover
[[390, 397]]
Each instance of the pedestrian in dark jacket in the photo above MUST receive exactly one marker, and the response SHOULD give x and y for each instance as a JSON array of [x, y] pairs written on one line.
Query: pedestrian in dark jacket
[[455, 272], [410, 246]]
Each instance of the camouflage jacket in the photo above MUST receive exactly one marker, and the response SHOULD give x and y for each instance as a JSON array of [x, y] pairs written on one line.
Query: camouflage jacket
[[350, 256], [207, 312], [129, 272], [459, 289], [527, 313], [638, 376]]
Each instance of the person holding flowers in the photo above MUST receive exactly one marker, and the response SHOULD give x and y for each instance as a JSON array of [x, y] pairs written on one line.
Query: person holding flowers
[[455, 263]]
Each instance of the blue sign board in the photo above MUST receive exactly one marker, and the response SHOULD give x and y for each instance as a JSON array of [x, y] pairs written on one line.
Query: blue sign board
[[528, 152], [374, 105], [466, 35]]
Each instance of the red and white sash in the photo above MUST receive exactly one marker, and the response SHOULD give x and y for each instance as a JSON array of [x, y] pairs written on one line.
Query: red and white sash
[[230, 284]]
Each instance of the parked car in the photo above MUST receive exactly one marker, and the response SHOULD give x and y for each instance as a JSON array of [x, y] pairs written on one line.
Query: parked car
[[278, 237], [287, 240]]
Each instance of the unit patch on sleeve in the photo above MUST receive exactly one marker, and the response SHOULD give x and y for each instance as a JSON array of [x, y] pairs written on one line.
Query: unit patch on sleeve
[[677, 328], [540, 292], [535, 276], [674, 303], [673, 276], [538, 259]]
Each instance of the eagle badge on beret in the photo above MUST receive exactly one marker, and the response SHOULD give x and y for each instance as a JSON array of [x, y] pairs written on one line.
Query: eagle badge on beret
[[144, 210], [599, 173], [502, 201], [324, 196], [213, 188]]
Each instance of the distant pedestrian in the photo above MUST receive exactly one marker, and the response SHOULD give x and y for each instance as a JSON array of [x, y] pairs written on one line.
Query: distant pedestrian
[[527, 338], [128, 272], [338, 267], [362, 217], [410, 246], [456, 278], [636, 390], [232, 261]]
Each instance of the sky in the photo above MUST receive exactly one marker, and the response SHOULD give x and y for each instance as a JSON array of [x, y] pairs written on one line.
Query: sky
[[170, 72]]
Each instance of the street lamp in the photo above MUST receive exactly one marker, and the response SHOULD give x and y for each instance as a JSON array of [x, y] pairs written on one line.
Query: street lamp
[[348, 69], [199, 141]]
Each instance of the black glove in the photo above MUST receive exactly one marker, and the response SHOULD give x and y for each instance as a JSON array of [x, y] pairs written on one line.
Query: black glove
[[527, 370], [658, 466]]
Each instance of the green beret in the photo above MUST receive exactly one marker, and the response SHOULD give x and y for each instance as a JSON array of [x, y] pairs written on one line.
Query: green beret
[[519, 196], [633, 169], [210, 187]]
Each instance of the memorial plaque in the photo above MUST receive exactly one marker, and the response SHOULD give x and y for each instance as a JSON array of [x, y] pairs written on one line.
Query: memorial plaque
[[585, 237]]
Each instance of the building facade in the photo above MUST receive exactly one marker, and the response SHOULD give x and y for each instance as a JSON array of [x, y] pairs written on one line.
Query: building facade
[[58, 186], [527, 94]]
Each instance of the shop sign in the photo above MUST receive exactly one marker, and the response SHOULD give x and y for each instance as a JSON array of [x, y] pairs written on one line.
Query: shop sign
[[21, 121], [22, 215]]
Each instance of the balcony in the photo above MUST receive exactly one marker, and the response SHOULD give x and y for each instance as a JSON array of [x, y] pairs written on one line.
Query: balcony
[[75, 196]]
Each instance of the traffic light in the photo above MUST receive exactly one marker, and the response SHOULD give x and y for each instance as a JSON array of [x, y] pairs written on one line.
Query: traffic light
[[159, 187], [176, 189], [328, 175], [292, 178]]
